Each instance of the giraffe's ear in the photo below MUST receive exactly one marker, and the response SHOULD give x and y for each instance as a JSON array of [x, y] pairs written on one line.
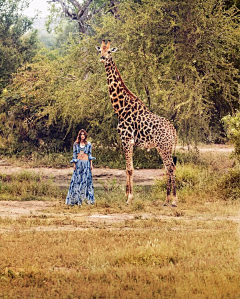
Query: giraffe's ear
[[114, 50], [98, 49]]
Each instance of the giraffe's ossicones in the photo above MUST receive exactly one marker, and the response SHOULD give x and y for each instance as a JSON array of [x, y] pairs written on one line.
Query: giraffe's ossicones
[[137, 126]]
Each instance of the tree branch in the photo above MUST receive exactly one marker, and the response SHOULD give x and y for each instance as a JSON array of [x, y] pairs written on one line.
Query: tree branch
[[82, 11]]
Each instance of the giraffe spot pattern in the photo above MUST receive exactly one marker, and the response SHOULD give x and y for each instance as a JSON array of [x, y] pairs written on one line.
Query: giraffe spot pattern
[[137, 125]]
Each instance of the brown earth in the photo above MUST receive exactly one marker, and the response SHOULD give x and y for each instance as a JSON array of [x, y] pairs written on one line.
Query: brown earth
[[62, 177]]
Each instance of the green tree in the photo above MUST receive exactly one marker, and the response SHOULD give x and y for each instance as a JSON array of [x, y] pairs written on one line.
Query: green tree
[[50, 99], [83, 13], [233, 131], [181, 58], [230, 3], [24, 128], [16, 47], [64, 34]]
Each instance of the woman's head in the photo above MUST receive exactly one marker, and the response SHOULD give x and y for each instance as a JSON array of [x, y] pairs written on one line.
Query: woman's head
[[82, 136]]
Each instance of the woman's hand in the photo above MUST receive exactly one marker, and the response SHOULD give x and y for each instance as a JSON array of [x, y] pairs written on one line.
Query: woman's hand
[[74, 166], [91, 166]]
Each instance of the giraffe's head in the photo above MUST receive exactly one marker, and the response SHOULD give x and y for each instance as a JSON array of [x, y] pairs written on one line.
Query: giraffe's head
[[105, 51]]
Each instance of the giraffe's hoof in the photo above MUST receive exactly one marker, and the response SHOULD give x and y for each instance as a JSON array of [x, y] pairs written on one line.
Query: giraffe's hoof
[[174, 205], [165, 204]]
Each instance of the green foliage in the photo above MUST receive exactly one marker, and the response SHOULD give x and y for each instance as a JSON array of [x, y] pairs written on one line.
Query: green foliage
[[63, 32], [143, 158], [233, 131], [189, 177], [40, 159], [107, 157], [230, 3], [190, 156], [204, 182], [22, 105], [16, 47], [230, 184], [176, 56], [83, 14], [180, 58], [52, 98], [115, 158], [27, 186]]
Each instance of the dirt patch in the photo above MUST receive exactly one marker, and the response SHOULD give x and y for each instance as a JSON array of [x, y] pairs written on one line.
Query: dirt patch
[[37, 209], [211, 148], [62, 177], [15, 209], [101, 176]]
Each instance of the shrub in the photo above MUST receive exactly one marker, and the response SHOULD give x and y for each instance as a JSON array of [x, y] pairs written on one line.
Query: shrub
[[27, 186], [189, 156], [115, 158], [233, 131], [230, 184], [188, 176]]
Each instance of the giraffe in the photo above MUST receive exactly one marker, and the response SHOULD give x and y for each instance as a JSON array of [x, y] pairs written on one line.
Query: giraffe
[[137, 126]]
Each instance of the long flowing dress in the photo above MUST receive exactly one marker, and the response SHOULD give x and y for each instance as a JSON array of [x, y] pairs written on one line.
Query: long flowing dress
[[81, 186]]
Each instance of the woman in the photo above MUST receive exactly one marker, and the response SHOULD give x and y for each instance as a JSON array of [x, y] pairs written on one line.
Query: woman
[[81, 186]]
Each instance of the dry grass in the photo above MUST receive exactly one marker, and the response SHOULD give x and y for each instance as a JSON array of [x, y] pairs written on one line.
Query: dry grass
[[162, 259], [191, 251], [28, 186], [111, 250]]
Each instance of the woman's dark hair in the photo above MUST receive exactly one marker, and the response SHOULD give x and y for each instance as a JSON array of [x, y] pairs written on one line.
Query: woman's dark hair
[[78, 140]]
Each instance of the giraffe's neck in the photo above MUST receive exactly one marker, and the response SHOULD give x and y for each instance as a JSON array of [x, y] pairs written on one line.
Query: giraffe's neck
[[123, 100]]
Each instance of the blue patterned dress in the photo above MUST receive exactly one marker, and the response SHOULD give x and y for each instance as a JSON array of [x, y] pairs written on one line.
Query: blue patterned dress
[[81, 186]]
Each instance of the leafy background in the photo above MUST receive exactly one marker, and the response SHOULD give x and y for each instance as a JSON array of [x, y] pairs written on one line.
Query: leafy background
[[181, 58]]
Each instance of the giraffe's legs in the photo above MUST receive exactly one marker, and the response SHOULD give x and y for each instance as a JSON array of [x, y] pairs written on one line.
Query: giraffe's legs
[[168, 189], [171, 181], [128, 150]]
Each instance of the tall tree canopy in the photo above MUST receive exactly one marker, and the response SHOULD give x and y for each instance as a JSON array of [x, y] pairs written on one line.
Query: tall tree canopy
[[183, 58], [84, 13], [180, 57], [233, 130], [16, 47]]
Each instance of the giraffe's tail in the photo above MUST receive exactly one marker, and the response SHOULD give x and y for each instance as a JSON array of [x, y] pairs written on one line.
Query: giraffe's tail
[[175, 145]]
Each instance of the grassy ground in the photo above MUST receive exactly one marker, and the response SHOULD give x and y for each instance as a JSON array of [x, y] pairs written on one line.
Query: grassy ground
[[111, 250]]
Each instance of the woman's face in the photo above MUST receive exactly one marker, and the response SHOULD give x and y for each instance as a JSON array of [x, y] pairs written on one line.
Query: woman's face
[[82, 136]]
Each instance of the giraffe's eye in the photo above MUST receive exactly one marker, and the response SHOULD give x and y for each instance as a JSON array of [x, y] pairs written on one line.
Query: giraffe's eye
[[109, 52]]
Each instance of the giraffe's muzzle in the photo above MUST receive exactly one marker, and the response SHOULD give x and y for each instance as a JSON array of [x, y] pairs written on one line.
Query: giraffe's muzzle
[[102, 59]]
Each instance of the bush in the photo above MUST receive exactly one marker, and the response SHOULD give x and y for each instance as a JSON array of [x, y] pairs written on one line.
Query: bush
[[115, 158], [230, 184], [36, 159], [189, 156], [189, 176], [233, 131], [27, 186]]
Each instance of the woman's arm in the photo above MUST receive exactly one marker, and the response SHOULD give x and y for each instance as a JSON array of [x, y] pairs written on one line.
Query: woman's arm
[[74, 151], [89, 152], [74, 159], [90, 156]]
